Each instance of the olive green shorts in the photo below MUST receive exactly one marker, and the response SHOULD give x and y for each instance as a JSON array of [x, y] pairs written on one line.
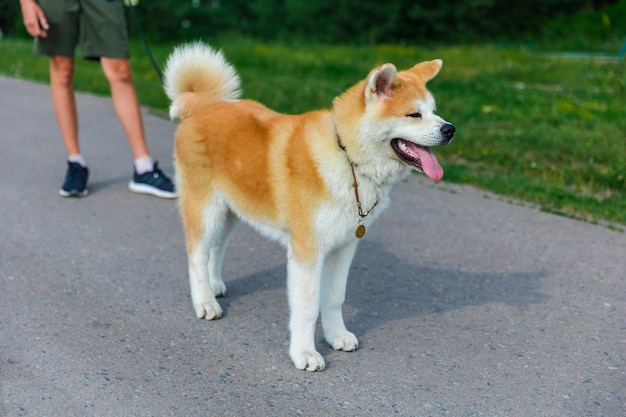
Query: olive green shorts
[[99, 26]]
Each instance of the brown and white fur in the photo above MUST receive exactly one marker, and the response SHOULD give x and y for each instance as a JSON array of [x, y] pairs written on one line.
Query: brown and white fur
[[291, 178]]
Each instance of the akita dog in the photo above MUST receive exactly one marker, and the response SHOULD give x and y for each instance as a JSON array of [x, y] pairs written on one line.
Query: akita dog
[[314, 181]]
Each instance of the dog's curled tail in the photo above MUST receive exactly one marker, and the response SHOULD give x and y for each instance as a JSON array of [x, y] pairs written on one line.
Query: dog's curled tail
[[195, 75]]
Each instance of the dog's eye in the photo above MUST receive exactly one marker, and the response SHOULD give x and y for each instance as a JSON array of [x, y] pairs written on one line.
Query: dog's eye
[[415, 114]]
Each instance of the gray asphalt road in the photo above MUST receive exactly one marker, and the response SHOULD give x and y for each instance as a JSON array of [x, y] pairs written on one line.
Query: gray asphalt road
[[464, 304]]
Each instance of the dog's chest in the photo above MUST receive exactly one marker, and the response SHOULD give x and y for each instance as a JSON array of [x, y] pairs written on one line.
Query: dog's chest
[[339, 223]]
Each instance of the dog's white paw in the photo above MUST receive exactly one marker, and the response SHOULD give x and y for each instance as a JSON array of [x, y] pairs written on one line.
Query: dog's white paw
[[344, 341], [310, 361], [208, 310]]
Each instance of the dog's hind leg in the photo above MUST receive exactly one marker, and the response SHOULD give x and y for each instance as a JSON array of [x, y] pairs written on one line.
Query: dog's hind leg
[[205, 254], [217, 247], [333, 292]]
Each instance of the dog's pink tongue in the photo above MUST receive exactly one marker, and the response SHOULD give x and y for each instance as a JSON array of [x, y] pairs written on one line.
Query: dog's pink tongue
[[430, 165]]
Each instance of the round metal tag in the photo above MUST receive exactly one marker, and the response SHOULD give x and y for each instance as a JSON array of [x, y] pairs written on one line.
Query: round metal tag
[[360, 231]]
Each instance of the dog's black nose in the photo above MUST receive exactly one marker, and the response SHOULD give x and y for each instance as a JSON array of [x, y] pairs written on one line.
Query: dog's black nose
[[447, 131]]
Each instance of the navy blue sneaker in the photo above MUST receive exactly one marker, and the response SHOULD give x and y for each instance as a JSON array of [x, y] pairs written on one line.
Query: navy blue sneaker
[[155, 183], [75, 184]]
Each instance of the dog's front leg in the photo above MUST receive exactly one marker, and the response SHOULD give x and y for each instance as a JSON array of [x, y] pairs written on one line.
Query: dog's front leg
[[303, 290], [333, 294]]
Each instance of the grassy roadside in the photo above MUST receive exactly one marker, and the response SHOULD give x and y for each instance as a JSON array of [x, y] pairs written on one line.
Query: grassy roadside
[[548, 129]]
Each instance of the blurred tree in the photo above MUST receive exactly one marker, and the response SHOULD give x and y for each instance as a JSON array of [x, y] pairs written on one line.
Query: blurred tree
[[344, 21], [10, 15]]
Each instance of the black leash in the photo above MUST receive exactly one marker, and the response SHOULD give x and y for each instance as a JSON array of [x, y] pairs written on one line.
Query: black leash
[[143, 39]]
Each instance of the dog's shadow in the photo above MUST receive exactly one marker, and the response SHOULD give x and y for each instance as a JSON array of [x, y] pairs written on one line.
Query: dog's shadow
[[383, 287]]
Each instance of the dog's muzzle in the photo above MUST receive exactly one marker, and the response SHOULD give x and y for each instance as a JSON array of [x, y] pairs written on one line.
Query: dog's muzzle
[[447, 131]]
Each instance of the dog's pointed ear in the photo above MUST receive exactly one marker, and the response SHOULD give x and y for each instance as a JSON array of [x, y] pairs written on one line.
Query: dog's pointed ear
[[380, 82], [427, 70]]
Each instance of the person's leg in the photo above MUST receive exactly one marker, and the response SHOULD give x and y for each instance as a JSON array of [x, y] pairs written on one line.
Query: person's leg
[[63, 101], [64, 104], [59, 45], [98, 17], [147, 178], [126, 104]]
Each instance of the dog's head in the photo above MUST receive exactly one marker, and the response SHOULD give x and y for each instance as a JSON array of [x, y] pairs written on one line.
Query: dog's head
[[390, 120]]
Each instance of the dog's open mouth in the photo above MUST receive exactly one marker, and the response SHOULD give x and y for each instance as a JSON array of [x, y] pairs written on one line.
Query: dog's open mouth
[[419, 157]]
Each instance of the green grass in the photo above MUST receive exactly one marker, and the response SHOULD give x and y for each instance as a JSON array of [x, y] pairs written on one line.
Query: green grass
[[535, 126]]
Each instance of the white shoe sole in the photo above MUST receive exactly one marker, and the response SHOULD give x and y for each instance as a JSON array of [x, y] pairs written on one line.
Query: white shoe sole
[[150, 190], [64, 193]]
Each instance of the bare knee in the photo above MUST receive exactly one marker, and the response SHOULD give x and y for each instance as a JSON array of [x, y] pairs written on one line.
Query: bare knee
[[62, 71], [116, 70]]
